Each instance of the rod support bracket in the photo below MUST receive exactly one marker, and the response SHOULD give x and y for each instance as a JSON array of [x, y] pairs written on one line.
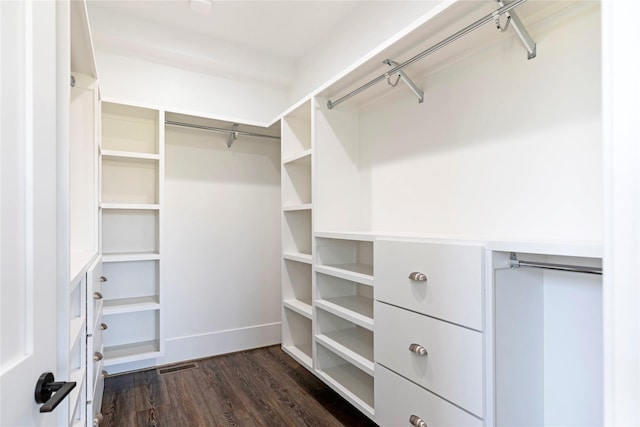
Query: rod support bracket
[[233, 135], [519, 28], [401, 75]]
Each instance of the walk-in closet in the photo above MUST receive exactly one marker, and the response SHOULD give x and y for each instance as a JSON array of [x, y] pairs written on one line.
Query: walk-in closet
[[422, 213]]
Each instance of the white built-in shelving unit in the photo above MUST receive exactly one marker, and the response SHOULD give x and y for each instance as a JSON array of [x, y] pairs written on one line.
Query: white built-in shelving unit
[[297, 219], [132, 167], [344, 316], [80, 360], [444, 331]]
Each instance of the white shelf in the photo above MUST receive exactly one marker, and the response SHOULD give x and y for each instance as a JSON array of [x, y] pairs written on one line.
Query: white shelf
[[77, 329], [77, 376], [347, 235], [129, 155], [130, 305], [354, 308], [301, 307], [130, 206], [298, 256], [301, 355], [122, 257], [300, 207], [351, 383], [78, 263], [353, 344], [361, 273], [304, 157], [130, 352]]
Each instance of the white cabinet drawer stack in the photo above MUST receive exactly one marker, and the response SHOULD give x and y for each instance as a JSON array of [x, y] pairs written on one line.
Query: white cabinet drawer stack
[[428, 338]]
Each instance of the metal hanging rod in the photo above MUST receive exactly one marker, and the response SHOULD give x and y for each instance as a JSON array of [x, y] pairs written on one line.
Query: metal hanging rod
[[514, 262], [492, 17], [233, 132]]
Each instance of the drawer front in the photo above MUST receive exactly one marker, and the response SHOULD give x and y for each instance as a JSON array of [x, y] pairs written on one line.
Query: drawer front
[[94, 294], [453, 287], [97, 354], [452, 366], [397, 399]]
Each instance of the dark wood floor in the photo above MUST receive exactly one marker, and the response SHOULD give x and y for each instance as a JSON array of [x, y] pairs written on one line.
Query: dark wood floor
[[262, 387]]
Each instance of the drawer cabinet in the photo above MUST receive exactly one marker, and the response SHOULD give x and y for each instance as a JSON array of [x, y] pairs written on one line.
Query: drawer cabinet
[[448, 285], [398, 400], [443, 358]]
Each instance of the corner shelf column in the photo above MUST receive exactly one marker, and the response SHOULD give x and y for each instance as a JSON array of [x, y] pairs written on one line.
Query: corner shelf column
[[297, 226], [131, 207]]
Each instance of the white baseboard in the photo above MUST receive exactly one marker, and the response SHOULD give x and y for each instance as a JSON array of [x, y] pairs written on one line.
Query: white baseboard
[[191, 347]]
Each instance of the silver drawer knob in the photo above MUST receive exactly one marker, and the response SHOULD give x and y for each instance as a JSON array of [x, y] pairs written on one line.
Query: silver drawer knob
[[418, 349], [103, 279], [418, 277], [105, 374], [98, 419], [97, 356], [417, 421], [103, 326], [97, 296]]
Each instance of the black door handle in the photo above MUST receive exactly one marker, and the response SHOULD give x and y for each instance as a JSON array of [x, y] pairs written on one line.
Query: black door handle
[[45, 387]]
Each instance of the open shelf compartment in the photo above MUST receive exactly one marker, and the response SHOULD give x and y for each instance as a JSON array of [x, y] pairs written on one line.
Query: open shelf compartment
[[297, 337], [129, 129], [350, 382], [350, 341], [347, 259], [350, 300]]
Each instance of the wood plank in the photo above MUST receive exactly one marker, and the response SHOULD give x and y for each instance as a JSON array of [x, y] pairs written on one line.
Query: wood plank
[[118, 401], [188, 399], [261, 387], [150, 390]]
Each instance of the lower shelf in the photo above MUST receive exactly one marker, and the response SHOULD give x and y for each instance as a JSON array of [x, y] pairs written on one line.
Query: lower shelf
[[350, 382], [302, 354], [126, 353]]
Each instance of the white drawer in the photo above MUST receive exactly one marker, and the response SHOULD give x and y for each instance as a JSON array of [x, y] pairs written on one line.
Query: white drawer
[[94, 407], [397, 399], [453, 289], [452, 367], [94, 294]]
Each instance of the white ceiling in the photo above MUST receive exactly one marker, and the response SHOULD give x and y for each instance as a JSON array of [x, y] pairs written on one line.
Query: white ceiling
[[285, 29], [255, 40]]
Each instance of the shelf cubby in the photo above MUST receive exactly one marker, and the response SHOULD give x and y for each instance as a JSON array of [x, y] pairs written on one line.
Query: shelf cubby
[[352, 342], [296, 232], [296, 286], [296, 132], [297, 337], [347, 259], [350, 300], [131, 336], [130, 129], [349, 381], [136, 279], [130, 180], [296, 181], [130, 231]]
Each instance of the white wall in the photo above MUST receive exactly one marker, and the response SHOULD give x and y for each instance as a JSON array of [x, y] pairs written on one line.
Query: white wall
[[222, 240], [502, 147], [146, 82]]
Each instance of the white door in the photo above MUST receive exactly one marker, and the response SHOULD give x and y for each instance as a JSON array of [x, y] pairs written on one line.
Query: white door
[[27, 209]]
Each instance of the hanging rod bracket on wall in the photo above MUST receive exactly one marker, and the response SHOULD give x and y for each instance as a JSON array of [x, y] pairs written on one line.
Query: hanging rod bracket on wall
[[233, 135], [504, 8], [518, 27], [401, 75], [514, 262]]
